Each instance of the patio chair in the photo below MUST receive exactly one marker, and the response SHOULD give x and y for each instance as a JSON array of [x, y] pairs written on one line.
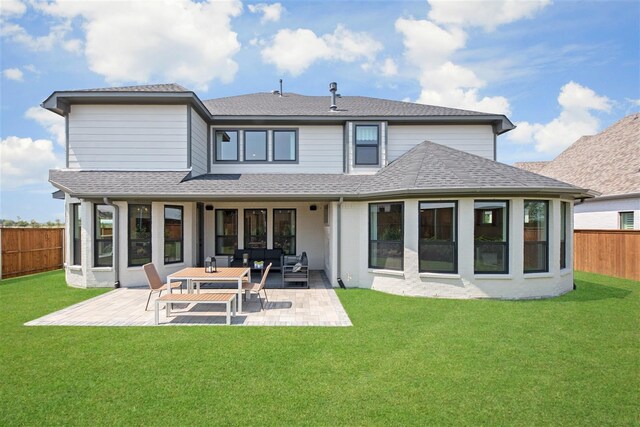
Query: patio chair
[[155, 282], [255, 288]]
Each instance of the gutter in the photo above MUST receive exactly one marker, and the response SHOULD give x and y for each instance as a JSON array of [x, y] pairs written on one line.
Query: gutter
[[116, 241]]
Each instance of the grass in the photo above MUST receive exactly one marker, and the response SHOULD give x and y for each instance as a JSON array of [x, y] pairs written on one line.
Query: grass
[[572, 360]]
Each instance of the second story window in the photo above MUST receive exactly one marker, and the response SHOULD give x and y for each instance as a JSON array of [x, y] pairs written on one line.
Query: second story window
[[367, 145], [284, 145], [255, 145], [226, 145]]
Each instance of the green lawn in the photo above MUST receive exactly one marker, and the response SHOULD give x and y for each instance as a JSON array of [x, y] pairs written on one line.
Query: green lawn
[[573, 360]]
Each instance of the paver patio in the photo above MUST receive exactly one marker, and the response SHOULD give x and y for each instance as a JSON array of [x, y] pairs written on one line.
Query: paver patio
[[317, 306]]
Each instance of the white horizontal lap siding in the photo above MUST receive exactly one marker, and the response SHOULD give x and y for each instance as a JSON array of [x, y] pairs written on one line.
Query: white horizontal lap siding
[[128, 137], [319, 151], [474, 139], [198, 144]]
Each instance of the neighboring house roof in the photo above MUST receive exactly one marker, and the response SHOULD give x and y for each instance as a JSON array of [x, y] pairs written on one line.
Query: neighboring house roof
[[428, 168], [271, 107], [608, 162], [534, 167]]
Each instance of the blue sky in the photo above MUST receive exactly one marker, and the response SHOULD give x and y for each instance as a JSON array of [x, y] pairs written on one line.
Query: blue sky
[[559, 69]]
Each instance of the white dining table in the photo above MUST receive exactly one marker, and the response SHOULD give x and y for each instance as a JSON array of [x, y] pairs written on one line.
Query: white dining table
[[197, 275]]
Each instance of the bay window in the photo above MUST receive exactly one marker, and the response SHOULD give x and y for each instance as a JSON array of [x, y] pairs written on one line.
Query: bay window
[[536, 236], [139, 235], [386, 236], [437, 244], [76, 221], [564, 211], [491, 236], [173, 234]]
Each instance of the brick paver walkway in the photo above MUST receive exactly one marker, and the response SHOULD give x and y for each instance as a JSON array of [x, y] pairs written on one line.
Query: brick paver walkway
[[317, 306]]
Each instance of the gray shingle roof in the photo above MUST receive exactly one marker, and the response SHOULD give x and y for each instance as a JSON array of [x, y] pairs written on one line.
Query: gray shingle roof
[[428, 168], [608, 162], [534, 167], [292, 104], [168, 87]]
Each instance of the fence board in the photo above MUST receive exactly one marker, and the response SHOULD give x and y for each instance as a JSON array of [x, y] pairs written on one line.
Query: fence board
[[609, 252], [31, 250]]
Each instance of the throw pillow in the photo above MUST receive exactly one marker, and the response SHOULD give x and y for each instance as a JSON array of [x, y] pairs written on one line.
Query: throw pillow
[[296, 268]]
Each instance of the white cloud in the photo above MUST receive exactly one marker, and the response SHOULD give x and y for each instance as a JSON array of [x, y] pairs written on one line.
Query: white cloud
[[293, 51], [426, 43], [12, 8], [389, 67], [13, 74], [575, 120], [24, 161], [141, 41], [482, 13], [270, 12], [53, 123]]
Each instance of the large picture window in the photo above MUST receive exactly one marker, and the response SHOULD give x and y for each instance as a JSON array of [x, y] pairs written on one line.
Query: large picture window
[[386, 236], [491, 235], [226, 145], [255, 145], [173, 234], [284, 145], [284, 230], [536, 236], [139, 235], [255, 228], [103, 241], [226, 231], [564, 211], [76, 220], [438, 237], [367, 145]]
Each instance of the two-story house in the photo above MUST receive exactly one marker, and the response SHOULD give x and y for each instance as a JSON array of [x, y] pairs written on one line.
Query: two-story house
[[401, 197]]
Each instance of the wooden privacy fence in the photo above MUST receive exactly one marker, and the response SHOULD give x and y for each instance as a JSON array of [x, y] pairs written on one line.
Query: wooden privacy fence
[[609, 252], [31, 250]]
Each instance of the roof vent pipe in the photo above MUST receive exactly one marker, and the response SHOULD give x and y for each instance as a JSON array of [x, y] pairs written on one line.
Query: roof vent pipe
[[333, 88], [280, 87]]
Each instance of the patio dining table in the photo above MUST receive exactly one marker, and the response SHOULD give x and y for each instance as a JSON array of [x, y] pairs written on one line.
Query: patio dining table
[[197, 275]]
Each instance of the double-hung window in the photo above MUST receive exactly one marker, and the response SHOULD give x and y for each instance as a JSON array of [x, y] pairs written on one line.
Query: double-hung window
[[255, 229], [226, 231], [103, 241], [139, 235], [284, 230], [255, 145], [173, 234], [284, 146], [536, 236], [438, 230], [367, 146], [76, 220], [386, 236], [227, 145], [491, 235], [564, 211]]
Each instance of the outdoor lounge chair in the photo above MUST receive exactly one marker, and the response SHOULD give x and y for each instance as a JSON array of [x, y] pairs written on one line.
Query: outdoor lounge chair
[[255, 288], [155, 282], [296, 270]]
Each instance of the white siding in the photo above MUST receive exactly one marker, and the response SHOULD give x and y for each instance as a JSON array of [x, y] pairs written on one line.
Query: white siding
[[605, 214], [474, 139], [128, 137], [319, 151], [198, 144]]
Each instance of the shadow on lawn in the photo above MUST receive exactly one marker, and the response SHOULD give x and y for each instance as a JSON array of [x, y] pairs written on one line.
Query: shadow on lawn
[[589, 291]]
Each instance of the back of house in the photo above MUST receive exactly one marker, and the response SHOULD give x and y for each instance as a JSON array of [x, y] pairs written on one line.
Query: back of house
[[401, 197]]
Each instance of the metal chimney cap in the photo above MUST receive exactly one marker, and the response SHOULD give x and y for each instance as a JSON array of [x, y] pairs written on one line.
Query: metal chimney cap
[[333, 86]]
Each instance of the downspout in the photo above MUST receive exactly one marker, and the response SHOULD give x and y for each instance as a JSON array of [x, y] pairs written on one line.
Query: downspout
[[116, 241], [339, 227]]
